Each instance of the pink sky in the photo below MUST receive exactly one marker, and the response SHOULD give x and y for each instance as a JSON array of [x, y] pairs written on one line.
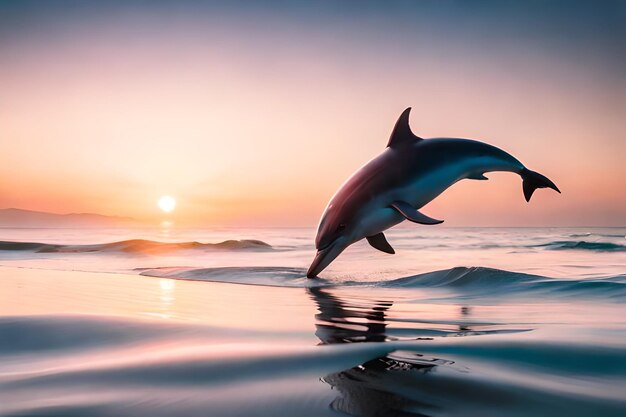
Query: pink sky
[[260, 125]]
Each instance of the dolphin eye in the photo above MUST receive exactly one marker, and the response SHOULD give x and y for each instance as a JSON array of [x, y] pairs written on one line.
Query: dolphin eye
[[341, 227]]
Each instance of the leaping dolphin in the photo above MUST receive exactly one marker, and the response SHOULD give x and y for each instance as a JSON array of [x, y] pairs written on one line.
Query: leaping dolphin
[[407, 175]]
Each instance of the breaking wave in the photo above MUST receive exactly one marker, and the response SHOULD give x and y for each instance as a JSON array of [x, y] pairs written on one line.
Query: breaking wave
[[134, 246], [582, 245]]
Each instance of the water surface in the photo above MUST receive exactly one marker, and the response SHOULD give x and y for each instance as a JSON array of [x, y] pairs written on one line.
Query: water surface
[[461, 322]]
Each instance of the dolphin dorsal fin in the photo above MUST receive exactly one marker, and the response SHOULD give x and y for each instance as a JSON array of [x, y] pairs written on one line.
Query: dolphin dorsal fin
[[402, 131]]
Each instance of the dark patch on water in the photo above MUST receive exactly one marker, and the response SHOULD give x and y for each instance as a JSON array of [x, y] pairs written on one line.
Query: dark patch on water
[[582, 245]]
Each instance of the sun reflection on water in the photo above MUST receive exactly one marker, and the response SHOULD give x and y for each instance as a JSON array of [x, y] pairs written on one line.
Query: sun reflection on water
[[166, 296]]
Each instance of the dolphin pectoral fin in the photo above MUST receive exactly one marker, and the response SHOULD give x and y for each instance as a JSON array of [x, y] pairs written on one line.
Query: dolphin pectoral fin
[[379, 242], [411, 214], [478, 176]]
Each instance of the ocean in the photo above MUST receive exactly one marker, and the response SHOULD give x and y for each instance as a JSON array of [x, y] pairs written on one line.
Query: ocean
[[223, 322]]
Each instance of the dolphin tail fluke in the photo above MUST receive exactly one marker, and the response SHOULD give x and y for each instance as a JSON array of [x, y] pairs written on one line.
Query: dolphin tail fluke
[[533, 180]]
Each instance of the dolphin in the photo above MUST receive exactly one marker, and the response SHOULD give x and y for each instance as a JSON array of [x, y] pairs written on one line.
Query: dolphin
[[407, 175]]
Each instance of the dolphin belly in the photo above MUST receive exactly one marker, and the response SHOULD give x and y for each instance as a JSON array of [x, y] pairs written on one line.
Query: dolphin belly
[[380, 215]]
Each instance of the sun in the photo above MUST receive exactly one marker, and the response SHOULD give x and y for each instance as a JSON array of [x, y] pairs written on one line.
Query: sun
[[167, 203]]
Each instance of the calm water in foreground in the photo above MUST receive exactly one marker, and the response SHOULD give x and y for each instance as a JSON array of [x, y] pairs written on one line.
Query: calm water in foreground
[[460, 322]]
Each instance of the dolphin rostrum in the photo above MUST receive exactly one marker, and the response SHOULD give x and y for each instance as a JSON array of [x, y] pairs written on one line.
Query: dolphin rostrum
[[407, 175]]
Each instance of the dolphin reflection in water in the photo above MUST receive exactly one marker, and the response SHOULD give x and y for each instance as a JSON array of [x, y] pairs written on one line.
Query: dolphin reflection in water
[[376, 388], [407, 175]]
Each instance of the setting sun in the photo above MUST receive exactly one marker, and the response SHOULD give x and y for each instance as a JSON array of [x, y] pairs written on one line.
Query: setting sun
[[167, 203]]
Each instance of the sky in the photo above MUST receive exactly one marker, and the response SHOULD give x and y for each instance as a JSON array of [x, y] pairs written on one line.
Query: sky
[[254, 113]]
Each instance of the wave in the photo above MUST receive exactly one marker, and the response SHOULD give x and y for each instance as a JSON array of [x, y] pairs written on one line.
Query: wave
[[582, 245], [489, 281], [597, 234], [470, 281], [465, 277], [140, 246], [268, 276]]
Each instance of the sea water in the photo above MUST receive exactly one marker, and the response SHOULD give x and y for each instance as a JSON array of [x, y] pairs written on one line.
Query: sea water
[[460, 322]]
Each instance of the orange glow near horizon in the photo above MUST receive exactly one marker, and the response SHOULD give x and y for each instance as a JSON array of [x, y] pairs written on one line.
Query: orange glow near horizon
[[260, 126]]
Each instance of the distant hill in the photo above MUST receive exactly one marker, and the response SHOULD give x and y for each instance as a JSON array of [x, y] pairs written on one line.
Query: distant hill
[[13, 217]]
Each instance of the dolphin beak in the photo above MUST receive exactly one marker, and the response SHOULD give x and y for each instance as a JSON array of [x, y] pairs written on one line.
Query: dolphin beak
[[323, 258]]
